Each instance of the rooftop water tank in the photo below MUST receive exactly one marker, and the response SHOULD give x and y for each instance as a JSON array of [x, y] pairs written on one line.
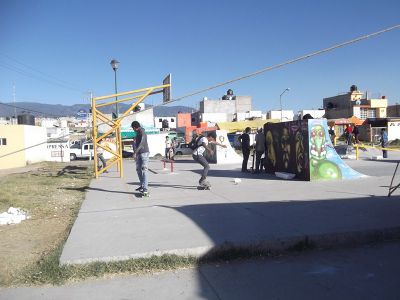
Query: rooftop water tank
[[26, 119]]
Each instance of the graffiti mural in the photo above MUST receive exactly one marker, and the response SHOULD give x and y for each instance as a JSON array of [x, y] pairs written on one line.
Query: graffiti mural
[[287, 148], [305, 149], [325, 163]]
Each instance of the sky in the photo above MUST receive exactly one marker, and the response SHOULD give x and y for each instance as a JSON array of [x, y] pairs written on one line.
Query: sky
[[57, 52]]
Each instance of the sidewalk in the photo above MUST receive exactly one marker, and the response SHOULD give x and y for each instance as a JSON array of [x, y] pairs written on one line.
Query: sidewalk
[[368, 272], [114, 223]]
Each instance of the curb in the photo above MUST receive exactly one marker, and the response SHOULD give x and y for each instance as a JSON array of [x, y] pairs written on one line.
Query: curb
[[229, 250]]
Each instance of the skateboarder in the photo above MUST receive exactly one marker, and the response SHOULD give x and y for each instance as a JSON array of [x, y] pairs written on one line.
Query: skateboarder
[[202, 145], [141, 155]]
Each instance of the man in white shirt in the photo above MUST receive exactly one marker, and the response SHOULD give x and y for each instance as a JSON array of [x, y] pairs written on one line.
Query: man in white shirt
[[199, 152], [167, 147]]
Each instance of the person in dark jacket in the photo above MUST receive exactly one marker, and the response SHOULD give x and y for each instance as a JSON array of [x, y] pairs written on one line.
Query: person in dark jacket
[[141, 156], [384, 142], [356, 132], [244, 140]]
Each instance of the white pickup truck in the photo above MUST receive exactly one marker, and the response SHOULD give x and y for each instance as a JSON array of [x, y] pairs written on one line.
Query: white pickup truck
[[79, 150]]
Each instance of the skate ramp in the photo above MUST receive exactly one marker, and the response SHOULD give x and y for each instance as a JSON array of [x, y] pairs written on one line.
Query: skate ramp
[[304, 148], [325, 163]]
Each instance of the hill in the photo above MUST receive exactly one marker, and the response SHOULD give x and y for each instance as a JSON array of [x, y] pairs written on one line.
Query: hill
[[58, 110]]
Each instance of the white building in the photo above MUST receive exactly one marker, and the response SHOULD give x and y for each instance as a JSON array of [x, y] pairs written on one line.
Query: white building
[[226, 109], [165, 122], [283, 115], [315, 113], [250, 115]]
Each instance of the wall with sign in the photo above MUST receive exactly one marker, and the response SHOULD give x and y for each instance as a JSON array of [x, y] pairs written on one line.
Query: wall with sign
[[393, 130], [57, 151]]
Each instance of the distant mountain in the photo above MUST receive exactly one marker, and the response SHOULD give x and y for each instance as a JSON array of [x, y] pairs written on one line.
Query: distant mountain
[[58, 110]]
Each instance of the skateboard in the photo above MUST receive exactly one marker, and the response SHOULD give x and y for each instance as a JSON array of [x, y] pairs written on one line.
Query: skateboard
[[204, 186], [145, 194]]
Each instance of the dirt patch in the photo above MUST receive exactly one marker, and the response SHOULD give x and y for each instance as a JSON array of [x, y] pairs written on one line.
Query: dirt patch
[[51, 194]]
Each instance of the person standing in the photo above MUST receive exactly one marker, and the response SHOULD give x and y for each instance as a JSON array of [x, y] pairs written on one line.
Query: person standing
[[356, 132], [349, 134], [244, 140], [384, 142], [332, 134], [202, 146], [100, 152], [174, 145], [260, 149], [141, 156], [167, 147]]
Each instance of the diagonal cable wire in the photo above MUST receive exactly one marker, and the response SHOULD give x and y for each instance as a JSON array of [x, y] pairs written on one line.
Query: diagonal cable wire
[[280, 65]]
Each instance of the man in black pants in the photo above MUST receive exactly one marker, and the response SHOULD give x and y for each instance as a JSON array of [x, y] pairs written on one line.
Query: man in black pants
[[244, 140]]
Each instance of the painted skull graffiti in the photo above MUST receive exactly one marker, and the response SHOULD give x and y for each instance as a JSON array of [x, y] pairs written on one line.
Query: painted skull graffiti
[[318, 142], [285, 145]]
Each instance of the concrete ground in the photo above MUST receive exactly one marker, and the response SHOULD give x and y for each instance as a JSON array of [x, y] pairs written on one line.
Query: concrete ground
[[114, 223]]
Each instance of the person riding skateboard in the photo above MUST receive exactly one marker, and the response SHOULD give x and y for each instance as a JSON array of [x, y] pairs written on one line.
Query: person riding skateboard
[[198, 155]]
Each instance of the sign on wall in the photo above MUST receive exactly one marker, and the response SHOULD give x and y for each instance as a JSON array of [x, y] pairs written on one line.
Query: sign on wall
[[57, 151]]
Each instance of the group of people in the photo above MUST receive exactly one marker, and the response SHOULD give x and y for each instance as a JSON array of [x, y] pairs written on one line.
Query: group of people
[[244, 140], [141, 155], [170, 147], [202, 147], [141, 152], [350, 133]]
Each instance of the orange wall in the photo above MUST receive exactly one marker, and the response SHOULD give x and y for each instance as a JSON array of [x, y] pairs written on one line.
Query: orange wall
[[189, 131], [184, 120]]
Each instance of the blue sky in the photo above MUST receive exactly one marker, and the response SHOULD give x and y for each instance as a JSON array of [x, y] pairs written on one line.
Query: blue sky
[[56, 51]]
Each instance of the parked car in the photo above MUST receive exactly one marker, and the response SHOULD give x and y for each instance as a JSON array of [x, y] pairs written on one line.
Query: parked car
[[183, 149], [81, 151]]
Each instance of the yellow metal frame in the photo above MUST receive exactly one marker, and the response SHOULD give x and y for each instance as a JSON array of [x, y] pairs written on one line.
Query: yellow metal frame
[[138, 96]]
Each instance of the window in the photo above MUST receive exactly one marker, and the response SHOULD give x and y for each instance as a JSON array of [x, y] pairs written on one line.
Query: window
[[3, 142], [172, 120], [367, 113], [363, 113], [160, 120], [371, 113]]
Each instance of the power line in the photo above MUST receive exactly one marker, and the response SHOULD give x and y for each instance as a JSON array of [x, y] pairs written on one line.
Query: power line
[[26, 73], [40, 72], [287, 62]]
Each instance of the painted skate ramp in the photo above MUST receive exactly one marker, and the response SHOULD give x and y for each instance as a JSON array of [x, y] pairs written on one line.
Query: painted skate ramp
[[222, 155], [304, 148]]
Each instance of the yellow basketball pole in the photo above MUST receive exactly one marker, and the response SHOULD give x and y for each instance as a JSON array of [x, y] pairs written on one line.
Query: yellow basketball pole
[[138, 96]]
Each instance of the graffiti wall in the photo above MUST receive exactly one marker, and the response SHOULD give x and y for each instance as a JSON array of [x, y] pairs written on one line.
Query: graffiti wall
[[305, 149], [287, 148], [325, 163]]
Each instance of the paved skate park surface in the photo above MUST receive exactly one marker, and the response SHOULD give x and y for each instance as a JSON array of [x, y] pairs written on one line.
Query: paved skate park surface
[[114, 223]]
